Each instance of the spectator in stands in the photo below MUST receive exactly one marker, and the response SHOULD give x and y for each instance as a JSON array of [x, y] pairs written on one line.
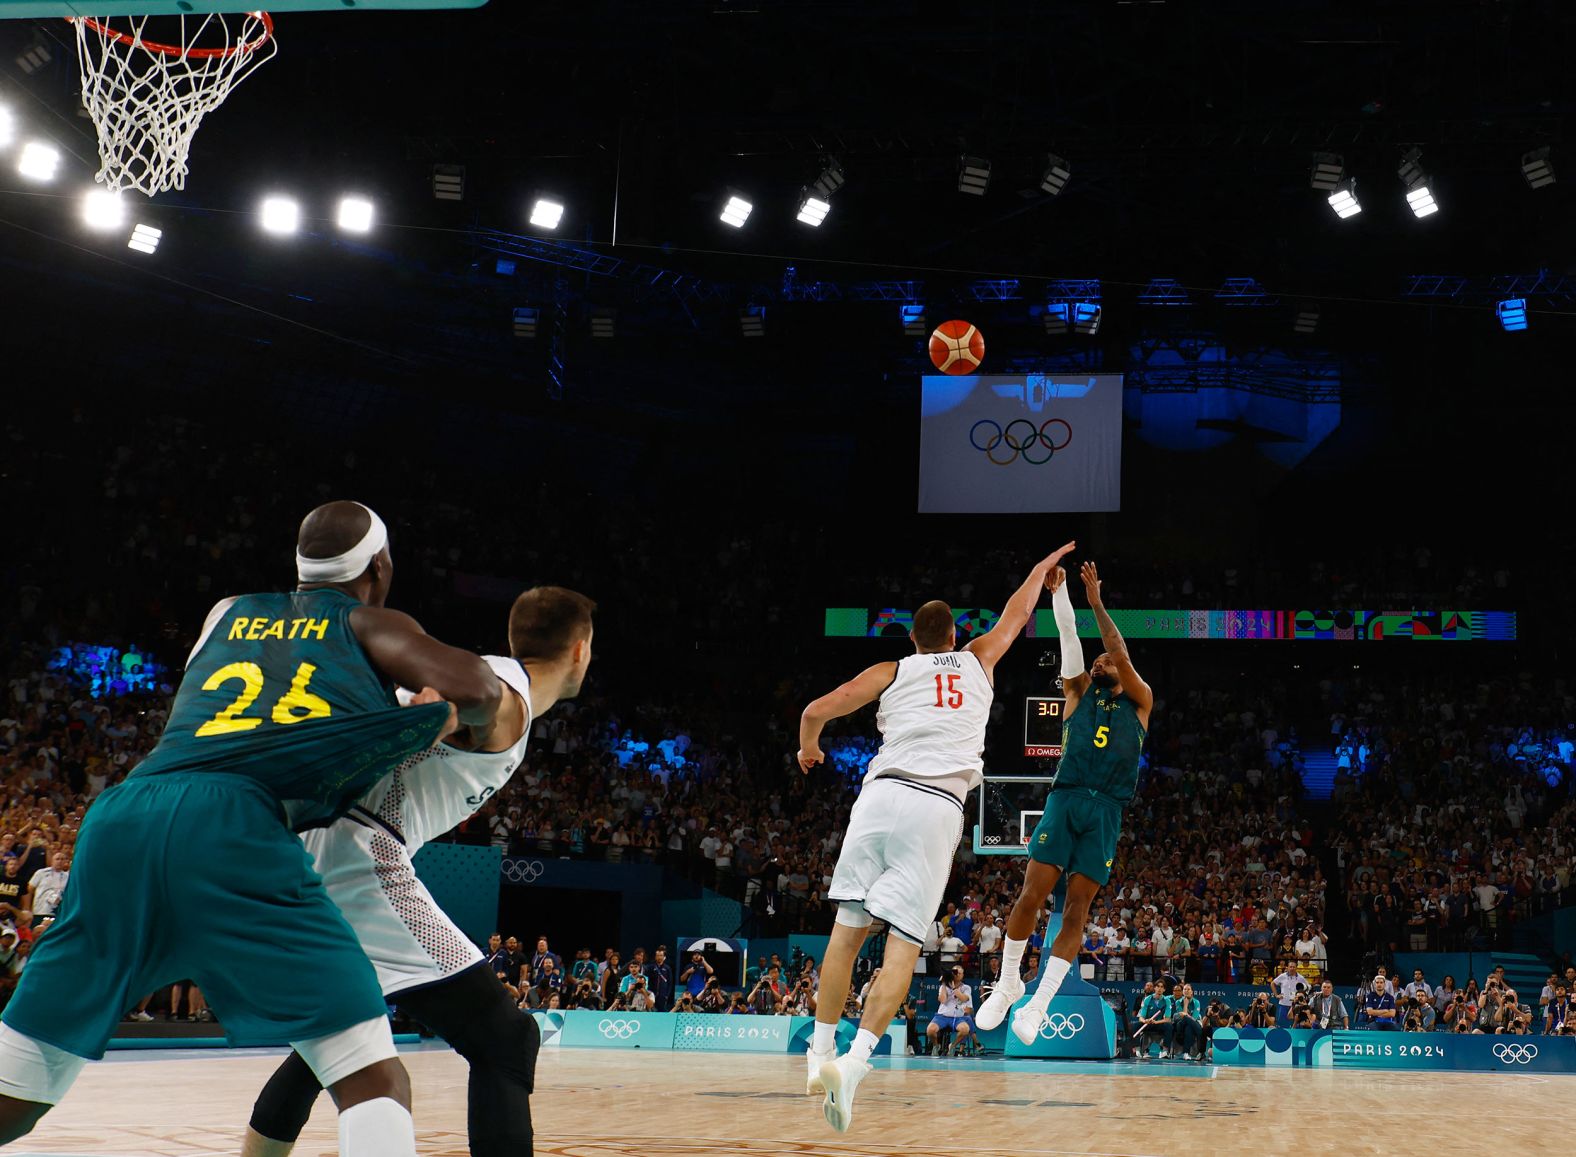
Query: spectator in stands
[[584, 968], [660, 975], [47, 887], [544, 954], [1286, 986], [1379, 1007], [1329, 1011], [1418, 988], [950, 951]]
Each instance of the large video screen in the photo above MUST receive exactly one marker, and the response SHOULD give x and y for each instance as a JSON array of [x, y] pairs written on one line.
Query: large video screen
[[1025, 444]]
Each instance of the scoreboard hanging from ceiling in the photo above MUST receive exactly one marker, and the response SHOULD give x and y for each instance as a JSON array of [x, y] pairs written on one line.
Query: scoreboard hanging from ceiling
[[1043, 716]]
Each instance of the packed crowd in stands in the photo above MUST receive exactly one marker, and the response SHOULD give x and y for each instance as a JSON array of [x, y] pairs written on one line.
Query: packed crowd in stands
[[1454, 823], [1455, 812]]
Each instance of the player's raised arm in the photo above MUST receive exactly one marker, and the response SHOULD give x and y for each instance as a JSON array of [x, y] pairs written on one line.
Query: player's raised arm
[[863, 689], [990, 647], [1133, 684], [405, 653]]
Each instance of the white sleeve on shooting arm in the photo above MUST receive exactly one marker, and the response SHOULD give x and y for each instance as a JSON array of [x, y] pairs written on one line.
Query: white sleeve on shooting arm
[[1067, 627]]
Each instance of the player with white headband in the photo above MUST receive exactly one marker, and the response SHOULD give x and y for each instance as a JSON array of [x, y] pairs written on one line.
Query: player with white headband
[[191, 868], [425, 964]]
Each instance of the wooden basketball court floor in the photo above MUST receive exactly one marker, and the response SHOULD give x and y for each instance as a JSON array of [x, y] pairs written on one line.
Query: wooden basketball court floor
[[594, 1103]]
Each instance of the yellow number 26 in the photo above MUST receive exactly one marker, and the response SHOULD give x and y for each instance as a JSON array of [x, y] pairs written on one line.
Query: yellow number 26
[[294, 705]]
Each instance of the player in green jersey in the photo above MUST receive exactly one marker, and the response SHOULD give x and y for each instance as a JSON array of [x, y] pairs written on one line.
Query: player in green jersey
[[191, 867], [1107, 719]]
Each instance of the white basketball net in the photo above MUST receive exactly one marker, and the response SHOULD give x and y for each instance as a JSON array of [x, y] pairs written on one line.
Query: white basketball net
[[147, 95]]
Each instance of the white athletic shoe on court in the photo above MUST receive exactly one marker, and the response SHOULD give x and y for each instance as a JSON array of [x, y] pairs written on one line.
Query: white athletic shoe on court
[[998, 1004], [840, 1078], [1027, 1022], [813, 1085]]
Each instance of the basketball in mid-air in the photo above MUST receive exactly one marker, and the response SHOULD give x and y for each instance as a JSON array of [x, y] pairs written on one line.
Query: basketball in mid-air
[[957, 347]]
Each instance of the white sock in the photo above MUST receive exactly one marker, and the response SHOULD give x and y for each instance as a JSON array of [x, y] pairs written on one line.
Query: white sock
[[377, 1128], [825, 1039], [864, 1044], [1012, 959], [1055, 972]]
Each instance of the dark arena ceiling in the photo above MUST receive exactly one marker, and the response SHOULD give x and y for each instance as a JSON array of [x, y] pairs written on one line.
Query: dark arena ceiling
[[1189, 129]]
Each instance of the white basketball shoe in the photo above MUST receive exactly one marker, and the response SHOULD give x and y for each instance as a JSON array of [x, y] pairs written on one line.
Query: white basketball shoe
[[840, 1078], [813, 1085], [1027, 1023], [999, 1003]]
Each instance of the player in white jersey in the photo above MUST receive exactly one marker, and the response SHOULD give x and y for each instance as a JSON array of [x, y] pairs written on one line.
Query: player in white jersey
[[424, 963], [904, 829]]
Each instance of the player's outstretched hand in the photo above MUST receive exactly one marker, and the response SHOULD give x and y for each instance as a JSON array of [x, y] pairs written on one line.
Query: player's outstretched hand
[[809, 757], [1049, 561], [1091, 578], [1054, 580], [428, 695]]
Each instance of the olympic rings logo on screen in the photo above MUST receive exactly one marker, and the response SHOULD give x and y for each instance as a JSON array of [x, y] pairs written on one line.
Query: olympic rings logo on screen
[[1059, 1027], [1036, 445], [618, 1029], [1516, 1054]]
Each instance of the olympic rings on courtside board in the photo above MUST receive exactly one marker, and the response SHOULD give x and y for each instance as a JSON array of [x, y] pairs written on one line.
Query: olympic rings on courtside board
[[1026, 445], [523, 871], [618, 1029], [1516, 1054], [1059, 1027]]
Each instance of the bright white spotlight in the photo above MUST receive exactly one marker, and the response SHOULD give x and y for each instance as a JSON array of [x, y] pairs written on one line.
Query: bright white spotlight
[[1422, 201], [813, 210], [281, 215], [39, 161], [1344, 199], [103, 209], [736, 212], [355, 215], [546, 214], [145, 238], [7, 127]]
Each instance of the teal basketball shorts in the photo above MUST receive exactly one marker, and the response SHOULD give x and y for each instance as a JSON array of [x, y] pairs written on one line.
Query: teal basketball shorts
[[1078, 833], [194, 875]]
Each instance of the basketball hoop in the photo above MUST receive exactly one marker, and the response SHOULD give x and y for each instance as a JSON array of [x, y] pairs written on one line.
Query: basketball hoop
[[147, 98]]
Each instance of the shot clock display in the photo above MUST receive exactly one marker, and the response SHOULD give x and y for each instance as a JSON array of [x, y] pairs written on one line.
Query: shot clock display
[[1043, 716]]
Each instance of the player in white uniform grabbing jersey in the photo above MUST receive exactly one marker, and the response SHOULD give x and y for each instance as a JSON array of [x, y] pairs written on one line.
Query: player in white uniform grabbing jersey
[[904, 829], [424, 963]]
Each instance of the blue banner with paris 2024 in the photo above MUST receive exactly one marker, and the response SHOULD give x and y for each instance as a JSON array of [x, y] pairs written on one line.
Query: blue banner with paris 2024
[[1021, 444]]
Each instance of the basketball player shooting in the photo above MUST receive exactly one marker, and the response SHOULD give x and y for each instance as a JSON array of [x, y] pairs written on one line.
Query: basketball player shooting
[[425, 964], [1095, 780], [904, 828]]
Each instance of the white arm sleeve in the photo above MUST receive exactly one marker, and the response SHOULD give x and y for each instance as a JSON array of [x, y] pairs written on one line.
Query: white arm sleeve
[[1067, 627]]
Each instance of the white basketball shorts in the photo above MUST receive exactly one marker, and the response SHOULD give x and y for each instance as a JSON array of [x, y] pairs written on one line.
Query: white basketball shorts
[[406, 936], [897, 853]]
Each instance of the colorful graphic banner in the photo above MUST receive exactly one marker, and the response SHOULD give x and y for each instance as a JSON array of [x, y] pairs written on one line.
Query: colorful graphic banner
[[1418, 1051], [1342, 626]]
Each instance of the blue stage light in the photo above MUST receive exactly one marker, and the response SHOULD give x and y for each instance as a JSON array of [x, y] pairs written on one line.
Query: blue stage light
[[1513, 313]]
